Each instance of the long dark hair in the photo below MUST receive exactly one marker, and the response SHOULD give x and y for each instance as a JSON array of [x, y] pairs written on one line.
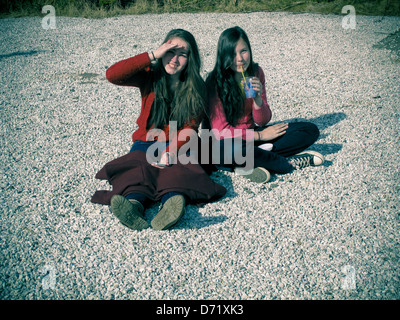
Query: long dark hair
[[187, 102], [222, 78]]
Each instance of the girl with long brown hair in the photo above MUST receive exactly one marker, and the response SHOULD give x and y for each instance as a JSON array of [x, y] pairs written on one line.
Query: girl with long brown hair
[[172, 92]]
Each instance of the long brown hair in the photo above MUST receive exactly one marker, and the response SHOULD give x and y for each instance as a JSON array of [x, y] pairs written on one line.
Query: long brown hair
[[187, 103], [222, 77]]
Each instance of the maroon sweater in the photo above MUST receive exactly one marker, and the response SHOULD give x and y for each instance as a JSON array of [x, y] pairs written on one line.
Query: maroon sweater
[[137, 72]]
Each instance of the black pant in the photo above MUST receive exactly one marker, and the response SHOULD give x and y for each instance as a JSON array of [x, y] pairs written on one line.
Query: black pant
[[298, 137]]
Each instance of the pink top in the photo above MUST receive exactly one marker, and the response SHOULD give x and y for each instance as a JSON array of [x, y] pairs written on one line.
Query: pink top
[[250, 119]]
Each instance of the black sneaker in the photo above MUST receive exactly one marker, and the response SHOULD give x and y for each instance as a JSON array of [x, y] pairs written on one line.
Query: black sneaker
[[306, 159], [129, 212]]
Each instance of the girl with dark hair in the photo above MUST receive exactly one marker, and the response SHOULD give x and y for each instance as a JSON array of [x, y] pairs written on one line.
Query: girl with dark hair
[[278, 148], [172, 91]]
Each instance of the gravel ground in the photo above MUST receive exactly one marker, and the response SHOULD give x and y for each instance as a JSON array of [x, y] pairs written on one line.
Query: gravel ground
[[319, 233]]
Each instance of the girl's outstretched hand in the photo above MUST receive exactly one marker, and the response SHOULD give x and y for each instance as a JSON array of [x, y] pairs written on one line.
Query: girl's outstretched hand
[[274, 131]]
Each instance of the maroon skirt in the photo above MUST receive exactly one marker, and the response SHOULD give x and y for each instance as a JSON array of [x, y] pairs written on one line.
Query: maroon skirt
[[132, 173]]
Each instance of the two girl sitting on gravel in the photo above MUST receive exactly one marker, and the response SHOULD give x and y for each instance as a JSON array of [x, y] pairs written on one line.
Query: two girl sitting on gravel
[[173, 91], [173, 102]]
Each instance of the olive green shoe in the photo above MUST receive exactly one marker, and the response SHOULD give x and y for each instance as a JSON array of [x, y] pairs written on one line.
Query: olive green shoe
[[258, 175], [128, 212], [170, 213]]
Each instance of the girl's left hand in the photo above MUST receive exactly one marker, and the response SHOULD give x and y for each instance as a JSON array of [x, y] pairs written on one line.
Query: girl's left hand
[[256, 85]]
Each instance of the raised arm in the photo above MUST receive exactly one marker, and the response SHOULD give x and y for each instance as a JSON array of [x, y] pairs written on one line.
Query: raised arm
[[130, 72]]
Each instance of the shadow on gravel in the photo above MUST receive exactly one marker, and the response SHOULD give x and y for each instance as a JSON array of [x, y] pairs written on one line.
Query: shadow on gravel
[[193, 219], [20, 53], [391, 42], [326, 120], [323, 122], [198, 221]]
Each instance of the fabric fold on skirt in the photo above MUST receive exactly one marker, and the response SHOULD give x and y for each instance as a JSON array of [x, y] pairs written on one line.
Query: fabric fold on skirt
[[131, 173]]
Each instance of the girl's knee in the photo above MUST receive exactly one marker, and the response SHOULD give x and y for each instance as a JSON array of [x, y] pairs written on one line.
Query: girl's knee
[[309, 127], [314, 130]]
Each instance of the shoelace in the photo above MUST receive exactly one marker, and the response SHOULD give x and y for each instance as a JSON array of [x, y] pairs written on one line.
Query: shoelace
[[301, 161]]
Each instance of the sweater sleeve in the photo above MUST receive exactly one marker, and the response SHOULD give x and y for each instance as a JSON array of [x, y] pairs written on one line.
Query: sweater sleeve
[[129, 72], [262, 115], [220, 126]]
